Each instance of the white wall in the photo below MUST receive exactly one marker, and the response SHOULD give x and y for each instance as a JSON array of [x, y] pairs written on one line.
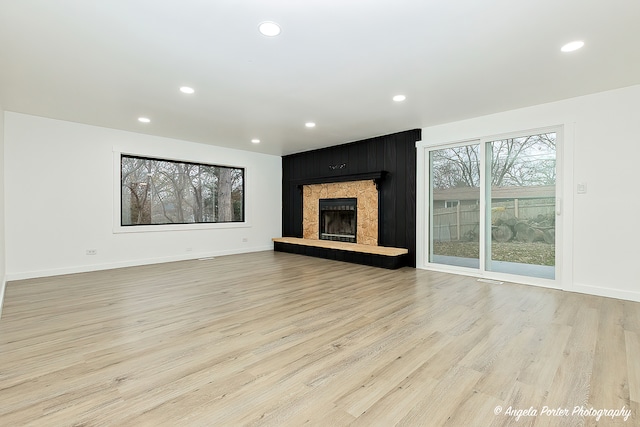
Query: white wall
[[59, 195], [2, 233], [601, 239]]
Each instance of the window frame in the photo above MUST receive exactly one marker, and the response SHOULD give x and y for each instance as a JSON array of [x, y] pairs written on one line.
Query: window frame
[[423, 209], [141, 228]]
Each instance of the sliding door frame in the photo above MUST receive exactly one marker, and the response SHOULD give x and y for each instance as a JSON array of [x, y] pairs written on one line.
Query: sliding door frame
[[425, 226]]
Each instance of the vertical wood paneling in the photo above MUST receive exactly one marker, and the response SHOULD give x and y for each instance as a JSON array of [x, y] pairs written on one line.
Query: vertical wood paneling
[[296, 220], [411, 197], [353, 158], [373, 159], [323, 158], [390, 194], [287, 206], [394, 154], [362, 158], [400, 223]]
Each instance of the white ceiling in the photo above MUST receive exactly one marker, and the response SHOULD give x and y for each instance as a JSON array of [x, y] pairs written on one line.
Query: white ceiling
[[337, 63]]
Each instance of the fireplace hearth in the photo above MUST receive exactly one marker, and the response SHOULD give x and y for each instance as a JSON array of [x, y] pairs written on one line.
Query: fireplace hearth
[[338, 219]]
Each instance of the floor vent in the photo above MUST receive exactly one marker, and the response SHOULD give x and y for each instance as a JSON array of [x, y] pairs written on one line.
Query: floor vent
[[206, 259], [493, 282]]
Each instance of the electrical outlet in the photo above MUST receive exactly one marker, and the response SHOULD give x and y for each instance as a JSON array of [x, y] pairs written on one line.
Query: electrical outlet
[[92, 252], [189, 249], [245, 239]]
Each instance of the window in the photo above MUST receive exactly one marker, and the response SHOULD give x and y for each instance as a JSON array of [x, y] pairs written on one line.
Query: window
[[156, 191]]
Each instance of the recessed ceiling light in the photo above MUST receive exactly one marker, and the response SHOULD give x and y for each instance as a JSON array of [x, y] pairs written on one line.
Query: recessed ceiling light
[[144, 120], [399, 98], [255, 141], [269, 29], [310, 124], [570, 47], [187, 89]]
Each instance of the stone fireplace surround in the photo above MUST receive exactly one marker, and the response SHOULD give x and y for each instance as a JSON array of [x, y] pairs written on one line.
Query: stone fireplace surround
[[364, 191]]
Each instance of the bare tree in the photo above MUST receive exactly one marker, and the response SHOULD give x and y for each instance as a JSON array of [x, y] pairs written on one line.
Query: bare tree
[[202, 182], [160, 192], [456, 167], [521, 161], [136, 180], [225, 213]]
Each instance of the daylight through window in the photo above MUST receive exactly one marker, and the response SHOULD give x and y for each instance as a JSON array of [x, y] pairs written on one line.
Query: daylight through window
[[156, 191], [511, 226]]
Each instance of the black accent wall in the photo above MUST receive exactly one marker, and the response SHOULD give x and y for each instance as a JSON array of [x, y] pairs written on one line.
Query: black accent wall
[[391, 156]]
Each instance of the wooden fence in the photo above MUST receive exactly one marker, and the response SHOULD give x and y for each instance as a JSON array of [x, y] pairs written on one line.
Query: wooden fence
[[462, 222]]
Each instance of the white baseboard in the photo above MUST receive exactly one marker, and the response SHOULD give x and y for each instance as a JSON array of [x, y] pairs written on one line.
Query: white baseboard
[[605, 292], [576, 287], [130, 263], [502, 277]]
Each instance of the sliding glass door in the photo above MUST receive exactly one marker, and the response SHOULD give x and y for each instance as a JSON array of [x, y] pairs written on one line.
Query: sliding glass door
[[522, 208], [492, 205], [455, 206]]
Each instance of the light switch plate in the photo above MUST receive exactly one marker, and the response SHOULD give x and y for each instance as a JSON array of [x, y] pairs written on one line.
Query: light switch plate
[[582, 188]]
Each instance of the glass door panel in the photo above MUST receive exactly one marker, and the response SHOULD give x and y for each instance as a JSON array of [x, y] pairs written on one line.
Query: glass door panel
[[454, 213], [521, 185]]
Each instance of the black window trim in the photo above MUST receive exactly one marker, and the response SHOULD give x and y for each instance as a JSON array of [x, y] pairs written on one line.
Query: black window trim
[[163, 159]]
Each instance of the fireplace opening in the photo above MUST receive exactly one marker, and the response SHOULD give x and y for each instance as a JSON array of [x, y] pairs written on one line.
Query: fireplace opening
[[338, 219]]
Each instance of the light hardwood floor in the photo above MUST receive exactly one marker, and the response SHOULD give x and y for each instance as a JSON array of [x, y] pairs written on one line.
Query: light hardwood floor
[[277, 339]]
